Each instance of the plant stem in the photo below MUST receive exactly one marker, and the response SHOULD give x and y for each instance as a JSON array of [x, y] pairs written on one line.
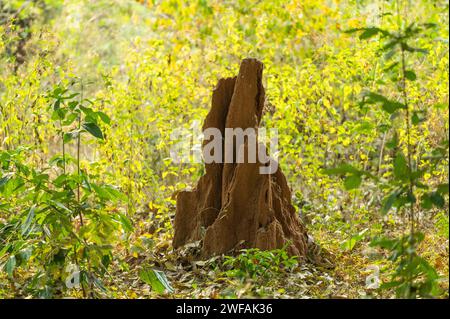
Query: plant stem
[[78, 156], [408, 142], [63, 148], [407, 122]]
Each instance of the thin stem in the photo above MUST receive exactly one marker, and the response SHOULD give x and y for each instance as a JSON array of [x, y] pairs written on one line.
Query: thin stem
[[78, 155], [407, 119], [63, 148], [79, 170], [408, 139]]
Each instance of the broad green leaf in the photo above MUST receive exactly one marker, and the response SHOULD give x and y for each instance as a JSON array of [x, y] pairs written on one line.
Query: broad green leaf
[[105, 118], [5, 178], [108, 192], [400, 166], [56, 105], [70, 119], [352, 182], [69, 136], [93, 128], [408, 48], [415, 119], [388, 105], [126, 223], [340, 170], [368, 33], [426, 202], [389, 201], [392, 106], [437, 199], [10, 265], [383, 242], [26, 225], [157, 280], [442, 188], [410, 75]]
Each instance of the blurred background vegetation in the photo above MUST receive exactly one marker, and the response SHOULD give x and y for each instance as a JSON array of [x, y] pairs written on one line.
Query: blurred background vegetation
[[150, 66]]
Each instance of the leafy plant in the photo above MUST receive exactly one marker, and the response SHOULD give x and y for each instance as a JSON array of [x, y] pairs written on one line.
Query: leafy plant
[[64, 215], [413, 275], [156, 279], [406, 187], [255, 263]]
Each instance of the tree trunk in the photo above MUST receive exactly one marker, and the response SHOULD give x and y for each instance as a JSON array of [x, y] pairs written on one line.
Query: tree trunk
[[233, 205]]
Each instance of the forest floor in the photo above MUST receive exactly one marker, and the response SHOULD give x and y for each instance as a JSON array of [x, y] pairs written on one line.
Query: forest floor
[[192, 278], [209, 279]]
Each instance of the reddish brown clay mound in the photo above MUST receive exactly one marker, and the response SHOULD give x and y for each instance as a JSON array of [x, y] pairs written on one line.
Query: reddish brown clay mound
[[233, 205]]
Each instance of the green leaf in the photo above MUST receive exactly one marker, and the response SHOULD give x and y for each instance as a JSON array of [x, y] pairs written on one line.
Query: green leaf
[[108, 192], [415, 118], [126, 223], [156, 279], [426, 202], [26, 225], [10, 265], [383, 242], [56, 105], [352, 182], [70, 119], [340, 170], [408, 48], [87, 110], [401, 169], [392, 106], [93, 128], [389, 201], [69, 136], [60, 180], [368, 33], [442, 188], [105, 118], [437, 199], [72, 105], [393, 143], [58, 114], [390, 284], [410, 75], [5, 179], [388, 105]]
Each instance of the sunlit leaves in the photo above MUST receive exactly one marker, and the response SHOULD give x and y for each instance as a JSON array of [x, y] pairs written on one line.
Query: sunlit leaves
[[256, 263], [156, 279], [410, 75], [388, 105], [409, 264], [353, 176], [104, 117], [51, 205], [350, 243], [367, 33], [27, 223], [10, 265], [413, 276], [93, 129], [352, 182]]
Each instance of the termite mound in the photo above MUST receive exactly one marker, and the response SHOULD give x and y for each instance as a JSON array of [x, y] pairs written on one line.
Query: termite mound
[[234, 205]]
